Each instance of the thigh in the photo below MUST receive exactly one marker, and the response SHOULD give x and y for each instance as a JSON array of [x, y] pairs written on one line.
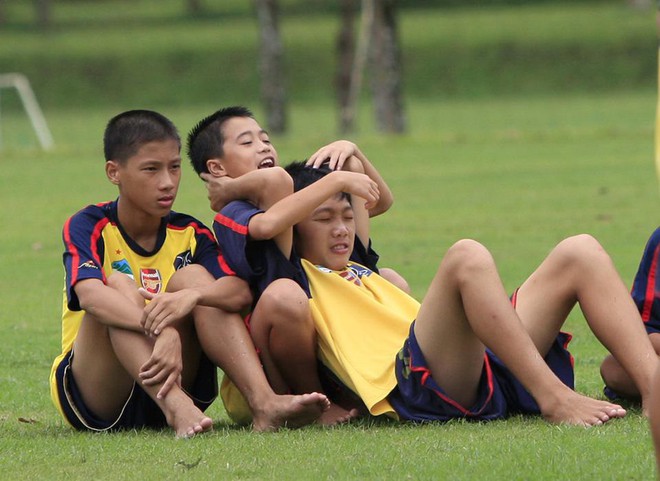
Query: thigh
[[544, 301], [103, 381], [453, 352]]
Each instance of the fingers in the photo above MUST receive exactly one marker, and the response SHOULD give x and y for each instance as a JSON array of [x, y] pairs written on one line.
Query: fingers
[[172, 380]]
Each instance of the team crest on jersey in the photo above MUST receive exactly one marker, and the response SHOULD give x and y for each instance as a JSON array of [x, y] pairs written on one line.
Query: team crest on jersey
[[123, 267], [182, 260], [350, 276], [151, 280]]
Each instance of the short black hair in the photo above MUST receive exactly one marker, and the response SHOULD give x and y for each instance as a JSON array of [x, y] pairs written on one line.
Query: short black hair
[[304, 175], [130, 130], [205, 140]]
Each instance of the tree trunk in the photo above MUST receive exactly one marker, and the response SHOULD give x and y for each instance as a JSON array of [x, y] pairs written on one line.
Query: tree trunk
[[271, 68], [194, 7], [359, 58], [43, 13], [346, 57], [387, 75]]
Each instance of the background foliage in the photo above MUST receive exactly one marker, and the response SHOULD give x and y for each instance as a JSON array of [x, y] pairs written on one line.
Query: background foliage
[[517, 151]]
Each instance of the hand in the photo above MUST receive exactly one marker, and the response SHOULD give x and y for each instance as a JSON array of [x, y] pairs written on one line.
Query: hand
[[360, 185], [215, 189], [166, 308], [165, 364], [335, 154]]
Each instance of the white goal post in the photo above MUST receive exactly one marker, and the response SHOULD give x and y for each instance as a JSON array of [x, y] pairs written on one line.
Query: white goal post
[[31, 106]]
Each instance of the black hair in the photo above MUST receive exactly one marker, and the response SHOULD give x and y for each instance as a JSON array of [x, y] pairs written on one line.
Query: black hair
[[304, 176], [130, 130], [205, 140]]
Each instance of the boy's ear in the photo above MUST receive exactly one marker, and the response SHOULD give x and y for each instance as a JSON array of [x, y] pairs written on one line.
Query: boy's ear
[[215, 168], [112, 171]]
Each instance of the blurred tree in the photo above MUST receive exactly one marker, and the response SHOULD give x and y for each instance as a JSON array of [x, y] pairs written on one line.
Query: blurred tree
[[346, 56], [387, 77], [43, 13], [3, 16], [377, 42], [193, 6], [271, 65]]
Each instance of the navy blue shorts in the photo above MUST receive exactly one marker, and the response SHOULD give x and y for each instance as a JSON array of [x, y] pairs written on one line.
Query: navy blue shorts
[[418, 397], [139, 411]]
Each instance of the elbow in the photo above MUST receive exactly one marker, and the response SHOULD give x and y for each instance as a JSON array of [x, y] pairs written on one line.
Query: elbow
[[240, 297]]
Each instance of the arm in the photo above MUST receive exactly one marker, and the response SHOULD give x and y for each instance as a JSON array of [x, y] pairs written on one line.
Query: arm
[[290, 210], [108, 305], [229, 294], [338, 153], [255, 187]]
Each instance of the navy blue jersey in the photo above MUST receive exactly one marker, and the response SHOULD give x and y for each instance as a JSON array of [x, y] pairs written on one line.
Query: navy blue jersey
[[646, 287], [260, 262]]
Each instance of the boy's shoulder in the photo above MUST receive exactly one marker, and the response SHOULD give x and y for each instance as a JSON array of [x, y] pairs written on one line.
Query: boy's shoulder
[[94, 212], [237, 212]]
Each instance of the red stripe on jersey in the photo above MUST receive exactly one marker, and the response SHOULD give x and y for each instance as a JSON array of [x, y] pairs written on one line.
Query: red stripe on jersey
[[231, 224], [650, 287], [205, 231], [75, 255]]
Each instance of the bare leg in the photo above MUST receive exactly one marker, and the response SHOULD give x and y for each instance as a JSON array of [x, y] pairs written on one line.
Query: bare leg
[[107, 362], [578, 270], [395, 278], [654, 415], [465, 305], [283, 331], [226, 341]]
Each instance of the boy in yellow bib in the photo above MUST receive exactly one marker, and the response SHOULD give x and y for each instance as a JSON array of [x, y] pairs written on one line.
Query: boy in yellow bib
[[467, 350]]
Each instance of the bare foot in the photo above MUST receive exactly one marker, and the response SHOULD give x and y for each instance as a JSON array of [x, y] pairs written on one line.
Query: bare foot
[[337, 415], [574, 408], [289, 411], [184, 417]]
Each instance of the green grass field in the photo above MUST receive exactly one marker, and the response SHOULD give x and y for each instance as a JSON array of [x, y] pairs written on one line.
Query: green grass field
[[517, 172]]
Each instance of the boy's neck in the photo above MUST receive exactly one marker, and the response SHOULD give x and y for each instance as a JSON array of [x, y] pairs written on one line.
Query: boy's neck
[[142, 229]]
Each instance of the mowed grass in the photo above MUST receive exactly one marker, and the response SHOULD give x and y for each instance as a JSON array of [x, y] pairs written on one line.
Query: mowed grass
[[517, 174]]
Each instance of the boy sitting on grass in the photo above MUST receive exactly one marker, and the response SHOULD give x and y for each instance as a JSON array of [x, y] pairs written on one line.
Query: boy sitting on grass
[[467, 351], [124, 365], [231, 151], [646, 296]]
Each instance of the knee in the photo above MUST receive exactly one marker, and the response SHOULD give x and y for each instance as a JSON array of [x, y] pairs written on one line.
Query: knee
[[284, 301], [126, 285], [193, 275], [466, 257], [581, 250]]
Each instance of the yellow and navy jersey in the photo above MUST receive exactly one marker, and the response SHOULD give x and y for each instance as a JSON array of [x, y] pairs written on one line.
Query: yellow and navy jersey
[[362, 321], [95, 246]]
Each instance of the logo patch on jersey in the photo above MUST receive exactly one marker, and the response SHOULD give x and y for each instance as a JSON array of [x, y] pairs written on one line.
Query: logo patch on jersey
[[182, 260], [123, 267], [359, 270], [350, 276], [151, 280], [87, 265]]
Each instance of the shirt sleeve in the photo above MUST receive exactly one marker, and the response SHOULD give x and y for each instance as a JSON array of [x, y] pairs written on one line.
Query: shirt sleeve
[[230, 226], [646, 286], [83, 250]]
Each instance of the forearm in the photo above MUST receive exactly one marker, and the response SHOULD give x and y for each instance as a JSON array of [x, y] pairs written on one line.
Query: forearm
[[109, 306], [231, 294], [292, 209], [386, 197]]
